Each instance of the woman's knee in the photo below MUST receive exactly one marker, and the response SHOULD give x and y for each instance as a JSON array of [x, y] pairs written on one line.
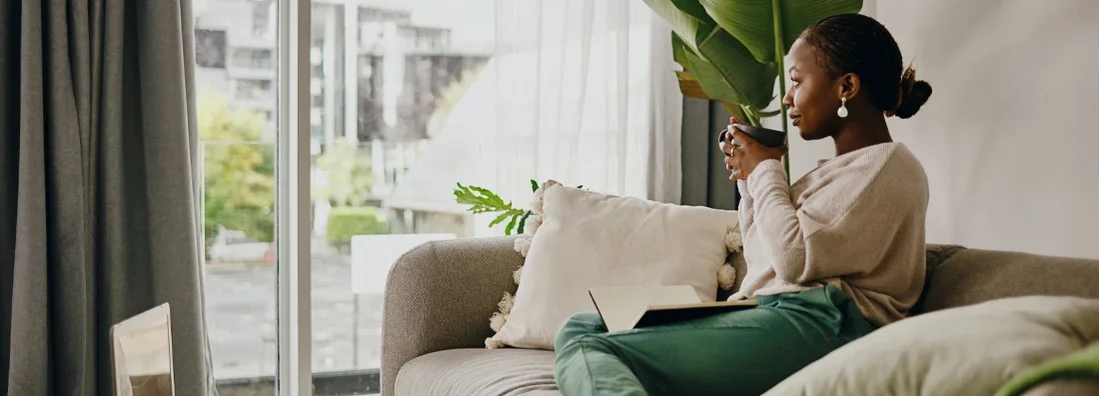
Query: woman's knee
[[576, 347], [578, 325], [572, 366]]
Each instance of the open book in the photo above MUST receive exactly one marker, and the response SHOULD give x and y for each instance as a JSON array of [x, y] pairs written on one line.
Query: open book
[[631, 307]]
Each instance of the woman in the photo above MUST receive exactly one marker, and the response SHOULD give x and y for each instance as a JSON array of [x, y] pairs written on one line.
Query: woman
[[829, 258]]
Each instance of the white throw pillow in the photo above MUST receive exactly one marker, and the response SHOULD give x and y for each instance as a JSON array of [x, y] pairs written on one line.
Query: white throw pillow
[[586, 239], [970, 350]]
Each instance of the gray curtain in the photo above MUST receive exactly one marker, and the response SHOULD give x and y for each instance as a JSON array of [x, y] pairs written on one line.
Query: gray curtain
[[98, 214]]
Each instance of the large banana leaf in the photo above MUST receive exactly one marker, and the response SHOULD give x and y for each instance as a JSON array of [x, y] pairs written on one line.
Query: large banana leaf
[[682, 23], [741, 80], [695, 9], [731, 74], [715, 88], [752, 82], [679, 51], [731, 50], [753, 21], [689, 86]]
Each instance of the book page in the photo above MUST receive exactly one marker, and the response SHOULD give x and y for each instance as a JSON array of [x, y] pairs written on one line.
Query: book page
[[619, 306]]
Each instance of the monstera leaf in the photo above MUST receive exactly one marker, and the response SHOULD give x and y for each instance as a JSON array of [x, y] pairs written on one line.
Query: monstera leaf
[[759, 24]]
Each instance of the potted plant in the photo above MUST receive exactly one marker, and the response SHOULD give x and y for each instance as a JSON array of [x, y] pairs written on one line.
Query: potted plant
[[732, 51]]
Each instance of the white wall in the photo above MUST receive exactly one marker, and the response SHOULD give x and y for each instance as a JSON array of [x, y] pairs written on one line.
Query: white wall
[[1009, 138]]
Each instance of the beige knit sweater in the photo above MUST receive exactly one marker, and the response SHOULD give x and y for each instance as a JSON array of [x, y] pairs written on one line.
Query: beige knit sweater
[[856, 222]]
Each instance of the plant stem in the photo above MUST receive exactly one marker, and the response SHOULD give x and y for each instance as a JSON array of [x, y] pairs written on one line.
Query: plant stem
[[753, 118], [780, 53]]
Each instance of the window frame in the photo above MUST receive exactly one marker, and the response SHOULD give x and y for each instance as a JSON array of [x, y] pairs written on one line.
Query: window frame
[[292, 207]]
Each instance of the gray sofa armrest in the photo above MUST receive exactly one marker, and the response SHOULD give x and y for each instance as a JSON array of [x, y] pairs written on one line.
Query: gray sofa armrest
[[440, 296]]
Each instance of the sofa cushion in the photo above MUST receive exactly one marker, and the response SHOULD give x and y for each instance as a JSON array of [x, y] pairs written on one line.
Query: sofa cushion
[[970, 350], [589, 240], [481, 372], [972, 276]]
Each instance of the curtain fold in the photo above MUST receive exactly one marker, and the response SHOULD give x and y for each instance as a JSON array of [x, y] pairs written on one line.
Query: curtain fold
[[98, 212], [578, 91], [584, 92]]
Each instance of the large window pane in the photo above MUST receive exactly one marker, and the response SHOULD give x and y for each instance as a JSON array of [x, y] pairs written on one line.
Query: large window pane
[[235, 43], [384, 80]]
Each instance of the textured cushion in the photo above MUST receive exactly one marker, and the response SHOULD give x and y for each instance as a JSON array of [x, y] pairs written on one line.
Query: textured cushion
[[481, 372], [972, 276], [588, 239], [970, 350]]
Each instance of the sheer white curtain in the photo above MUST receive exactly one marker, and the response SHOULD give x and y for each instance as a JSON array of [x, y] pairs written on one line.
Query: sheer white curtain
[[585, 95], [579, 91]]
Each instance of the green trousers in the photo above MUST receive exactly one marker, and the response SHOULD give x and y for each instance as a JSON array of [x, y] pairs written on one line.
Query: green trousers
[[737, 353]]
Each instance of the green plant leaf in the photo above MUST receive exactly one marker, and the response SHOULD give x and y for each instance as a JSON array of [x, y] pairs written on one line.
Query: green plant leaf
[[688, 28], [523, 222], [533, 185], [686, 76], [695, 9], [750, 82], [730, 75], [755, 81], [716, 88], [481, 200], [690, 87], [738, 112], [753, 21], [511, 225], [679, 51], [771, 113], [499, 219]]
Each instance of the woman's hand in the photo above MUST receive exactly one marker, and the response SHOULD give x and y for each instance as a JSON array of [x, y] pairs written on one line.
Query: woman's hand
[[743, 154]]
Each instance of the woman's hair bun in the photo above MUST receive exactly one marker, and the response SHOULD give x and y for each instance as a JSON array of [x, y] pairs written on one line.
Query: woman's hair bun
[[914, 94]]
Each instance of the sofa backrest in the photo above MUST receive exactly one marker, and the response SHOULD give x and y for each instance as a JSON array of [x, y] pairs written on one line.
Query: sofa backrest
[[957, 276]]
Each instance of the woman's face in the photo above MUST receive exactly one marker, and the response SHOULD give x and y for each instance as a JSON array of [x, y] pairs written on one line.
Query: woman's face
[[813, 97]]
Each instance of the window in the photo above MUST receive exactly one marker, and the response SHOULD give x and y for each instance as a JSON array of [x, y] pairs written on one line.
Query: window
[[254, 58], [237, 139], [263, 21], [381, 86], [210, 48], [249, 89], [393, 105]]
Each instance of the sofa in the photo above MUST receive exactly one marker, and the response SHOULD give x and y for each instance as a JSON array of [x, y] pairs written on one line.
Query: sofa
[[440, 295]]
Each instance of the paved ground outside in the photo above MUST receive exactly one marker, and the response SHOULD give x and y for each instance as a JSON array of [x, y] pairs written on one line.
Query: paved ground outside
[[241, 315]]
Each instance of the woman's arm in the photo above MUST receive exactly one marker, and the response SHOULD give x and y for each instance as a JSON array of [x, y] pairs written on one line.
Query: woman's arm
[[847, 227], [779, 232], [744, 208]]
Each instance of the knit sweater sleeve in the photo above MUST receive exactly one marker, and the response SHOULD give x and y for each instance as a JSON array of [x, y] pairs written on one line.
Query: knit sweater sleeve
[[837, 230], [744, 208]]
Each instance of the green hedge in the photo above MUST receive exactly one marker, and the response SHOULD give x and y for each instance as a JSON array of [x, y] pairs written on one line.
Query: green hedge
[[345, 222]]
